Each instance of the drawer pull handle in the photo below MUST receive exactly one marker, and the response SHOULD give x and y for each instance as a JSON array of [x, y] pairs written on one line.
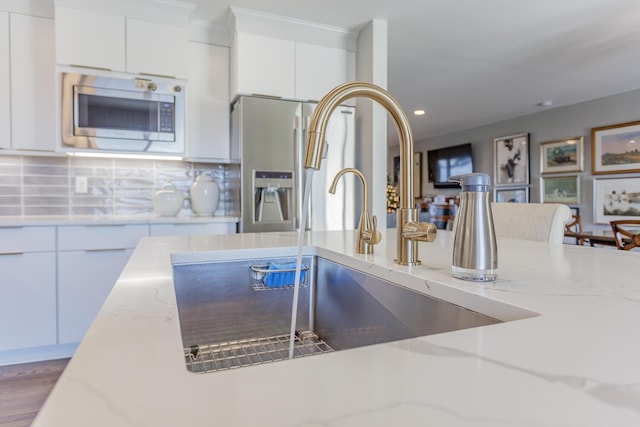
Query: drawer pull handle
[[106, 250], [12, 253]]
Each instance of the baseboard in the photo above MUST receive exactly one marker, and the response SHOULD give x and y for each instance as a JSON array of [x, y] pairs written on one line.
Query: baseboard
[[37, 354]]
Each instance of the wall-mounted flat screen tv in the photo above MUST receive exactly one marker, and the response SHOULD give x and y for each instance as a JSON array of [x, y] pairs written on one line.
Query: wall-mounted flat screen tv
[[448, 161]]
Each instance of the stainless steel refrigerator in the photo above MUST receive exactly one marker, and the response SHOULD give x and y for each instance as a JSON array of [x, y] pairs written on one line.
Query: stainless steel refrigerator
[[270, 136]]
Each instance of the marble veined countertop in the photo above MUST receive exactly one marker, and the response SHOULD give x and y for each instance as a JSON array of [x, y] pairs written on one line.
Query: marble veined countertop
[[566, 355], [44, 220]]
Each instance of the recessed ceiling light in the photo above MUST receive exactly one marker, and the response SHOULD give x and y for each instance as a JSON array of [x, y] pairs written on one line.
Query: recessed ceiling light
[[633, 141], [419, 112]]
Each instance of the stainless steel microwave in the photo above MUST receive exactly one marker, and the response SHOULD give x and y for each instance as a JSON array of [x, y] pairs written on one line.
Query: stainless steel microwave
[[122, 114]]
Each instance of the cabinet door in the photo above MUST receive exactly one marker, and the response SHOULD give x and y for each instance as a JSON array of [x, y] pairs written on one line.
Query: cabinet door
[[157, 49], [264, 65], [27, 300], [208, 102], [5, 117], [90, 39], [85, 279], [319, 69], [32, 83]]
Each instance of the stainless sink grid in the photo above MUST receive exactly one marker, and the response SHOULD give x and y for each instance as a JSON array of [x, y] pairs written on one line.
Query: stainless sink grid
[[253, 351]]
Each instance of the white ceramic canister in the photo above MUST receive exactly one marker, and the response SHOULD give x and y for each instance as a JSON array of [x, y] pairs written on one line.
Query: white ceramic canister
[[168, 201], [205, 195]]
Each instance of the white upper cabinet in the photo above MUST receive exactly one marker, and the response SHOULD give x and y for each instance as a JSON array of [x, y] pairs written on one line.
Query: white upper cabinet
[[5, 105], [119, 43], [319, 69], [32, 83], [90, 39], [288, 69], [264, 66], [157, 48], [207, 99]]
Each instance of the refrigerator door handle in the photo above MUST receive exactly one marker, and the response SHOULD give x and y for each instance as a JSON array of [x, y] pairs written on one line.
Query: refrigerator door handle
[[301, 173]]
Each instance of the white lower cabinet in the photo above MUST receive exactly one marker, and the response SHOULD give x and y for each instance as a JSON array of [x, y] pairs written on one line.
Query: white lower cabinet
[[55, 279], [90, 260], [85, 280], [27, 300], [27, 287]]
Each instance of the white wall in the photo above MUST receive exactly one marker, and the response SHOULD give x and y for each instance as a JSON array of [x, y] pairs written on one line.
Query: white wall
[[547, 125], [371, 66]]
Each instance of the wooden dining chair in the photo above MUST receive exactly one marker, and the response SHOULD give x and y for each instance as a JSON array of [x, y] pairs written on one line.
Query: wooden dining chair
[[575, 226], [626, 239]]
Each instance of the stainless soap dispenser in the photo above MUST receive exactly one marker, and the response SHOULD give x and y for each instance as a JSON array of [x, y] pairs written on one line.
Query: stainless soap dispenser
[[475, 253]]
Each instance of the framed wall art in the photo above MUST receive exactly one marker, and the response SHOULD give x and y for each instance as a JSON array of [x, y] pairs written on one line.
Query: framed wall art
[[560, 189], [511, 195], [616, 199], [511, 160], [417, 175], [396, 170], [564, 155], [615, 148]]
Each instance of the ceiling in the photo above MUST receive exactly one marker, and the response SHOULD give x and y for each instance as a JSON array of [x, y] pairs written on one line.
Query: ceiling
[[474, 62]]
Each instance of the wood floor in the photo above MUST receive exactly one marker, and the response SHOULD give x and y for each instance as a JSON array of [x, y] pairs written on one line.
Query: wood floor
[[24, 388]]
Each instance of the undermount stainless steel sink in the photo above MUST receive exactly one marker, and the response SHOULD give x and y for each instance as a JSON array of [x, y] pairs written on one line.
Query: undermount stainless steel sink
[[229, 318]]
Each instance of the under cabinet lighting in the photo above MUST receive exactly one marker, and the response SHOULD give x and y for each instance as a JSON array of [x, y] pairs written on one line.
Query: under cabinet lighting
[[123, 156]]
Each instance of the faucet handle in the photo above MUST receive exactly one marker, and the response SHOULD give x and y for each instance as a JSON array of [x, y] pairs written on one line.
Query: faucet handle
[[420, 231], [372, 236]]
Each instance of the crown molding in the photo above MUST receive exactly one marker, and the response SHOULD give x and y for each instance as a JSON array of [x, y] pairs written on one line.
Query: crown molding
[[173, 12], [40, 8], [203, 31], [251, 21]]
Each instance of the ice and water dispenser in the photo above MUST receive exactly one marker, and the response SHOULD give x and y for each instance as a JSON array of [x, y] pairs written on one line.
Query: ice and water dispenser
[[273, 197]]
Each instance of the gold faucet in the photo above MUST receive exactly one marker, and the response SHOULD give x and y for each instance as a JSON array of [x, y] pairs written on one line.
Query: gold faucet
[[410, 230], [368, 234]]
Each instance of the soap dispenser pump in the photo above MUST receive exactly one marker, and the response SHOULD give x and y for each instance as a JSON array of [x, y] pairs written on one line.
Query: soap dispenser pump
[[475, 252]]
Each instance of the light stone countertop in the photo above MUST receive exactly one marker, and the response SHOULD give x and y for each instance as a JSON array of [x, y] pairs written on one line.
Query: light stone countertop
[[567, 354], [53, 220]]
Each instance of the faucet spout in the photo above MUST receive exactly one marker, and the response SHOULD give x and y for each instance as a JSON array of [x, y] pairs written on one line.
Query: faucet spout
[[368, 234], [407, 245]]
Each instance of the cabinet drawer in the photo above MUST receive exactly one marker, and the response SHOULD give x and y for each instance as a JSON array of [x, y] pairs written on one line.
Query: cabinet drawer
[[27, 239], [97, 237], [186, 229]]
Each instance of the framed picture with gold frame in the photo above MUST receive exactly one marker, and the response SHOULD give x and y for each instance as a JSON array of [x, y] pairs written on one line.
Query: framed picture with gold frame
[[615, 148], [563, 155]]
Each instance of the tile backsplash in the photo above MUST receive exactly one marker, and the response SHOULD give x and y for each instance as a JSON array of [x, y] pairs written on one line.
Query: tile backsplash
[[41, 185]]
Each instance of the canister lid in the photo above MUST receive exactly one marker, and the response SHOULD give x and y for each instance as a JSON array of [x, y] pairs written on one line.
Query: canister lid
[[472, 181]]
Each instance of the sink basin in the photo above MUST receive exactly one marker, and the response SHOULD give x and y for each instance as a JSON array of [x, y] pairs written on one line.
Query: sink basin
[[230, 318]]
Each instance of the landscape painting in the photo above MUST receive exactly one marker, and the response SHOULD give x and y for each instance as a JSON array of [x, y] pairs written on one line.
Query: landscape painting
[[615, 199], [564, 155], [561, 189], [616, 149]]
